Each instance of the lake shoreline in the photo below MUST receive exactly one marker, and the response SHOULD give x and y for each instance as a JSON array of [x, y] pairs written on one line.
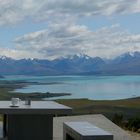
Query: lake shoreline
[[7, 89], [92, 87]]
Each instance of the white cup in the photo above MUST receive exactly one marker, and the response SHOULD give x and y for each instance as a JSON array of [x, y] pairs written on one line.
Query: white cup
[[15, 101]]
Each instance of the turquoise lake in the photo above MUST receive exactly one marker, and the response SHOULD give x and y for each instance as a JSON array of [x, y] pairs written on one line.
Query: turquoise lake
[[91, 87]]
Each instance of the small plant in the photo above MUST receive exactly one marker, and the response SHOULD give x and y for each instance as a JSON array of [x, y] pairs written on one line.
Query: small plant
[[118, 119], [134, 124]]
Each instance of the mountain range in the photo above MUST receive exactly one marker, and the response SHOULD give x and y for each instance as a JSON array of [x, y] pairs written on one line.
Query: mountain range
[[125, 64]]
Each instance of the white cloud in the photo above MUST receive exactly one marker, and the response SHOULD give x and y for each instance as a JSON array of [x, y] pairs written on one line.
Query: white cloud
[[59, 40], [19, 54], [54, 41], [64, 36], [13, 11]]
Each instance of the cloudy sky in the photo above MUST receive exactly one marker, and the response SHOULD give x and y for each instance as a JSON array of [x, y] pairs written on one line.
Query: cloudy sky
[[54, 28]]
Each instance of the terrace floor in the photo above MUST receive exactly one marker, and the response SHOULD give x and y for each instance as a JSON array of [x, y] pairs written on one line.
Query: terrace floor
[[98, 120]]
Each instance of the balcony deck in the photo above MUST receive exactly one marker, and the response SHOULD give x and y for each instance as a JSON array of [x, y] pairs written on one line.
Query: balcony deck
[[98, 120]]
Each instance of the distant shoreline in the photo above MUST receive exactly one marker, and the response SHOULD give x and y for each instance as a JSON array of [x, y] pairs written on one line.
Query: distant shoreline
[[7, 91], [8, 87], [91, 87]]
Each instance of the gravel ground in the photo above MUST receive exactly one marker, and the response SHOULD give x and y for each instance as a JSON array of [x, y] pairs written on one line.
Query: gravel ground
[[136, 135]]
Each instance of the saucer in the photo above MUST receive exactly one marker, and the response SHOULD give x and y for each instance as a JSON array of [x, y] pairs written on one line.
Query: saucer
[[14, 105]]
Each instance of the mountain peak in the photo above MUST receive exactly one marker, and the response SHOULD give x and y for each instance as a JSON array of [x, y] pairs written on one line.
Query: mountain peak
[[129, 54], [4, 57], [76, 56], [80, 55]]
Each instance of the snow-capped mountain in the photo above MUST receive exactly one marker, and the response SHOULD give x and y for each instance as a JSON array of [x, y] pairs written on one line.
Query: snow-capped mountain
[[79, 56], [126, 57], [128, 63], [75, 56]]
